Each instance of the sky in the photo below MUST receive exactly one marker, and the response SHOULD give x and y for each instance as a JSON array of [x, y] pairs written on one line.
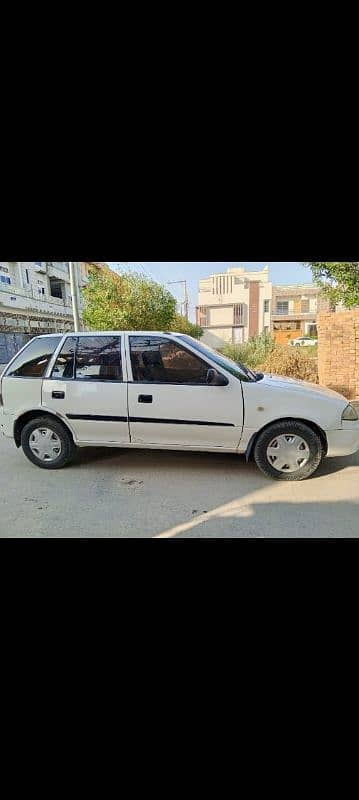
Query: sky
[[280, 272]]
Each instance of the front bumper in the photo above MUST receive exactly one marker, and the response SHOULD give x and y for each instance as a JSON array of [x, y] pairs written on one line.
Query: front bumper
[[343, 442]]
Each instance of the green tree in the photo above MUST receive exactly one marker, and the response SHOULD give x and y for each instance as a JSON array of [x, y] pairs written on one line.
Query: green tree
[[129, 301], [182, 325], [339, 280]]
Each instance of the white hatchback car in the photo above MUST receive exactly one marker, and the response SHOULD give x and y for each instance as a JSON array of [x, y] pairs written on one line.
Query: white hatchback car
[[303, 341], [165, 390]]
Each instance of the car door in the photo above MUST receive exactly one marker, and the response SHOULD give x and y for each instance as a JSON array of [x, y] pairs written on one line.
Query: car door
[[87, 388], [170, 402]]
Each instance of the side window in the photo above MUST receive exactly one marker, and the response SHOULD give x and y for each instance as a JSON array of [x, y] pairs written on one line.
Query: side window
[[159, 360], [65, 362], [98, 358], [32, 362]]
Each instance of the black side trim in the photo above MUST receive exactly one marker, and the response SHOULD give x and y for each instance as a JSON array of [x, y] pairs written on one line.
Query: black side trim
[[96, 418], [182, 422], [100, 418]]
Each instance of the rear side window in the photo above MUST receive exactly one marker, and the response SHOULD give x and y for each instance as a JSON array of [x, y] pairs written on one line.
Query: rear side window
[[65, 362], [32, 362], [98, 358], [89, 358]]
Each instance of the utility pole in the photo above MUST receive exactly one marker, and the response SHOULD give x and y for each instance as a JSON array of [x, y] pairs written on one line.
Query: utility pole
[[74, 295], [184, 304]]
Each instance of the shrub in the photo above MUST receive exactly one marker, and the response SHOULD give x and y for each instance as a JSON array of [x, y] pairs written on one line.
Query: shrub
[[183, 325], [253, 352], [292, 362]]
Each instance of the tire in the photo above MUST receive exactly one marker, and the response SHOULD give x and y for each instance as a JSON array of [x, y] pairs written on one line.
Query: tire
[[276, 444], [57, 442]]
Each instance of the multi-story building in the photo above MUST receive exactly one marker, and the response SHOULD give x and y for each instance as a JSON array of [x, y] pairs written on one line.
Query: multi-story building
[[234, 306], [35, 297], [294, 311]]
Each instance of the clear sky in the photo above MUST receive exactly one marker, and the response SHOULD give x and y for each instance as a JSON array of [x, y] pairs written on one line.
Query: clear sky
[[193, 271]]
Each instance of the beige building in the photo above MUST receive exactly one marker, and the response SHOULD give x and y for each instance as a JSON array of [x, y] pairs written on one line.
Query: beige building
[[234, 306], [294, 311]]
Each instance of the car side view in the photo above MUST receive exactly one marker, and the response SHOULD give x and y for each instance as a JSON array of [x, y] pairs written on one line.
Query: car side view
[[159, 390], [303, 341]]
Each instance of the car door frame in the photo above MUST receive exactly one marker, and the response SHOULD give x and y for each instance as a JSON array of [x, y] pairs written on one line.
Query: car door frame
[[211, 364], [47, 376]]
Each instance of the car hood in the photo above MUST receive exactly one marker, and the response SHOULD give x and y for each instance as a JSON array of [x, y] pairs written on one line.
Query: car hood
[[290, 384]]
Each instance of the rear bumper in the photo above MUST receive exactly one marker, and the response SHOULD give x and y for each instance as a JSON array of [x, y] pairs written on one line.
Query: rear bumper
[[343, 442]]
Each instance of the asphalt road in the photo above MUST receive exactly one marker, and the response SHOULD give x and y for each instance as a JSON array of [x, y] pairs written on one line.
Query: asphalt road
[[147, 494]]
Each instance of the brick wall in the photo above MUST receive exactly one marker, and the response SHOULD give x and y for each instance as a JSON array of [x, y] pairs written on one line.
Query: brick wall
[[338, 352], [254, 289]]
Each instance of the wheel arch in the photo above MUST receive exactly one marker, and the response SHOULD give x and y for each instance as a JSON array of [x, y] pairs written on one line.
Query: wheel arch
[[35, 413], [313, 425]]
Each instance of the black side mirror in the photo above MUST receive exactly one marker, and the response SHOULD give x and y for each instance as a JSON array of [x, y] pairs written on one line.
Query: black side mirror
[[215, 378]]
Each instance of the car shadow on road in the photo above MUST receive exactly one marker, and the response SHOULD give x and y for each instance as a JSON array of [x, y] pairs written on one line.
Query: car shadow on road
[[177, 459]]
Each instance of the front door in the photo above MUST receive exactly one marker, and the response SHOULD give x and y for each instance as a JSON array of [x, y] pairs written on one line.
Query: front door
[[170, 402], [86, 387]]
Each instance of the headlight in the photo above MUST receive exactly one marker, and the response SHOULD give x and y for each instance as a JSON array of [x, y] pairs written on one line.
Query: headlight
[[349, 414]]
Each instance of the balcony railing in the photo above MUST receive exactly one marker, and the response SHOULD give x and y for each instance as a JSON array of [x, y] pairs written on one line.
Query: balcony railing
[[279, 312]]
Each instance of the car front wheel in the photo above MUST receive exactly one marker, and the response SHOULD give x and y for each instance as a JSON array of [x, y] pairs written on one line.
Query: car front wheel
[[288, 451]]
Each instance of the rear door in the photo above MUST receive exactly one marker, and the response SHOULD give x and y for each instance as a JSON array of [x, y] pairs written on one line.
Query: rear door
[[170, 402], [87, 387]]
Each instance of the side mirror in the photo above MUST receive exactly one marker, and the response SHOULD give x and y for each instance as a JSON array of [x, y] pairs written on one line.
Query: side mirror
[[215, 378]]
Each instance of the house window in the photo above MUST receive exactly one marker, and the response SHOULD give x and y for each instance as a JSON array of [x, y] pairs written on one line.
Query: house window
[[282, 307], [57, 288], [266, 306], [5, 279], [305, 306], [238, 315], [27, 276], [203, 316]]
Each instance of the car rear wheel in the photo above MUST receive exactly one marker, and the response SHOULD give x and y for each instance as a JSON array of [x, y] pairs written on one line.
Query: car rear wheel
[[288, 451], [47, 443]]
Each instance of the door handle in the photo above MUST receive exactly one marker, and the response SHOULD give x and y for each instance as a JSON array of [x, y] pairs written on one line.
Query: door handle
[[58, 395], [145, 398]]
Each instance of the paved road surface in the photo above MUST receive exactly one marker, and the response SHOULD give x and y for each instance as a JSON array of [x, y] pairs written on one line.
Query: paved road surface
[[121, 493]]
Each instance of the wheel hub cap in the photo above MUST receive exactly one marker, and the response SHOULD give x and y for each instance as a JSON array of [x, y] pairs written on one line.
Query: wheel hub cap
[[288, 453], [45, 444]]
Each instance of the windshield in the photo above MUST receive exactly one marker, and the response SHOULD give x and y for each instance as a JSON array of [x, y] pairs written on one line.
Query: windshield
[[238, 370]]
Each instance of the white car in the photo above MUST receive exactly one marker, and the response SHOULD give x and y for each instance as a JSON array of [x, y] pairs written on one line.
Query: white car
[[303, 341], [166, 391]]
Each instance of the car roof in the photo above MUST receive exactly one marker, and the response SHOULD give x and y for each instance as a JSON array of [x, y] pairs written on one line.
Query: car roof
[[109, 333]]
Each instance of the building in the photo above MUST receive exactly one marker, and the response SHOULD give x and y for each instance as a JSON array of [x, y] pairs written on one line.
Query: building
[[234, 306], [294, 311], [35, 298]]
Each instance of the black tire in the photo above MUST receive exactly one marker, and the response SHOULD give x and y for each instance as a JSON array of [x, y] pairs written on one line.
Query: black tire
[[68, 448], [288, 428]]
